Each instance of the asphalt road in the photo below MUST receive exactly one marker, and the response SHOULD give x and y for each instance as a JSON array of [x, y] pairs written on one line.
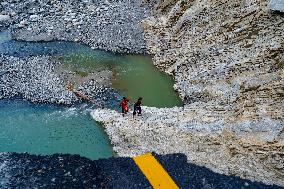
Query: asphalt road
[[73, 171]]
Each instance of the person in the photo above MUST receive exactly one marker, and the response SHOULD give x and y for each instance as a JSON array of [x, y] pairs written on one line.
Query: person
[[70, 87], [124, 106], [137, 107]]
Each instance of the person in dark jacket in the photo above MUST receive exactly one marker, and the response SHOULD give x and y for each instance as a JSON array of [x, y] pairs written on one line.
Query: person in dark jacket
[[137, 107]]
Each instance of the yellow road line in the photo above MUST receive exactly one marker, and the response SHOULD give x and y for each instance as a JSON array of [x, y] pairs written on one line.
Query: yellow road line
[[154, 172]]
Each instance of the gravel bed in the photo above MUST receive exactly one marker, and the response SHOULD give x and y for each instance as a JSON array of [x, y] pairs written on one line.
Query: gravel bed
[[110, 25], [37, 79]]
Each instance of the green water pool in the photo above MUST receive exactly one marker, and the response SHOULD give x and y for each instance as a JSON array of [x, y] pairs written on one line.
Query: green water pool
[[133, 75]]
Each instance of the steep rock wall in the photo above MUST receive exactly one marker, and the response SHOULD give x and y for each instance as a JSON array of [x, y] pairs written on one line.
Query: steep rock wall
[[229, 52]]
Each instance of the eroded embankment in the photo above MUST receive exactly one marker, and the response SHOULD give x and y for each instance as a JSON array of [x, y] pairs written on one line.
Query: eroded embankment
[[227, 61], [250, 149]]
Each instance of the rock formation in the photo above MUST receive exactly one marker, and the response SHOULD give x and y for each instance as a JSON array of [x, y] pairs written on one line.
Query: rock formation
[[276, 5], [227, 60]]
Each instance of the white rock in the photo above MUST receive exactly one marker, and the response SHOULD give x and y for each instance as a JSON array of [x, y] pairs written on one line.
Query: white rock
[[4, 18], [13, 13], [51, 28], [92, 8], [276, 5], [23, 23], [34, 18]]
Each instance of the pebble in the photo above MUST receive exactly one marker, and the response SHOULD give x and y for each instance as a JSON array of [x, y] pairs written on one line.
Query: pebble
[[23, 23], [4, 20], [34, 18]]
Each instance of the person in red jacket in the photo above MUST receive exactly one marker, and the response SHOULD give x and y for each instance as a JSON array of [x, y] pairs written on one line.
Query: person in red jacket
[[124, 106]]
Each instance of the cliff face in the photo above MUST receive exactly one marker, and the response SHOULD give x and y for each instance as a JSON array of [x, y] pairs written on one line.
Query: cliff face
[[229, 53], [227, 58]]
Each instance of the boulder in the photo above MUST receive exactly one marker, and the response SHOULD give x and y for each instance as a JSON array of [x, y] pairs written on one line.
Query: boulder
[[23, 23], [34, 18], [276, 5], [4, 18]]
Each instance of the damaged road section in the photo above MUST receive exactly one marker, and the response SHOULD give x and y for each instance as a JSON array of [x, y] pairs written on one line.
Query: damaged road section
[[73, 171]]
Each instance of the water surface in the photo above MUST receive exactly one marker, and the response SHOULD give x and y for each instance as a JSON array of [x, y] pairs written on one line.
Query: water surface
[[134, 75], [47, 129]]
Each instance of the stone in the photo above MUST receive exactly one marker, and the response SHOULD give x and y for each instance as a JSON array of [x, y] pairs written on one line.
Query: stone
[[4, 18], [34, 18], [276, 5], [92, 8], [23, 24]]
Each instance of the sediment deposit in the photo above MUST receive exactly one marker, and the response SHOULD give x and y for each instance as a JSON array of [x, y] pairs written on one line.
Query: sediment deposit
[[109, 25], [39, 79]]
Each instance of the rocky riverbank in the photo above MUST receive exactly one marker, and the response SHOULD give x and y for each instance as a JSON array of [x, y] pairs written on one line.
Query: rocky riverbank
[[226, 59], [109, 25], [40, 79]]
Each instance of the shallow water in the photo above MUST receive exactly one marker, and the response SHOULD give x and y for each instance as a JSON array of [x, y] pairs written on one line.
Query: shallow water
[[134, 76], [48, 129]]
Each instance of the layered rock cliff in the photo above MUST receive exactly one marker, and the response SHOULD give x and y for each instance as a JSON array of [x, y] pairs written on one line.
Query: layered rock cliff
[[227, 59], [228, 52]]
